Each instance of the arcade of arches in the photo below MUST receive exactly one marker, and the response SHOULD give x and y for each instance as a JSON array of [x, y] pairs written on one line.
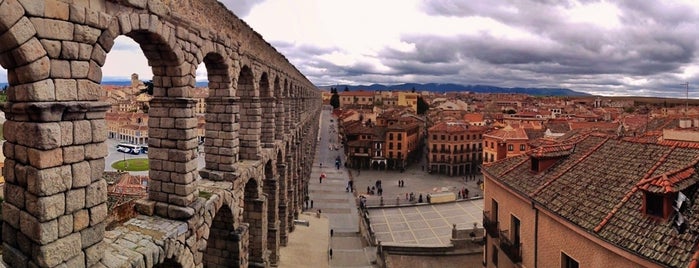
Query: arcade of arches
[[238, 210]]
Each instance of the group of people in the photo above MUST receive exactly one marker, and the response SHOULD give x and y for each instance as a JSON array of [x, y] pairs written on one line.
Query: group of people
[[375, 189], [401, 183], [463, 193]]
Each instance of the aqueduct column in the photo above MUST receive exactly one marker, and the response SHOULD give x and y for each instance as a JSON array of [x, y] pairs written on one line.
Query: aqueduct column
[[172, 154]]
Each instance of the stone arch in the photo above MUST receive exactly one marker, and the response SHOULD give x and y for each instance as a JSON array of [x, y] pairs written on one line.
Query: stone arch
[[286, 100], [222, 247], [268, 104], [21, 54], [255, 216], [250, 115], [158, 44], [279, 110], [220, 147], [271, 192]]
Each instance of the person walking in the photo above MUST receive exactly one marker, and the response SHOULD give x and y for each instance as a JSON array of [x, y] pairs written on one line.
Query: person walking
[[311, 203]]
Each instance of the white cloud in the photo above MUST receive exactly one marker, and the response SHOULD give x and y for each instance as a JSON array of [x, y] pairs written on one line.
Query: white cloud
[[121, 63]]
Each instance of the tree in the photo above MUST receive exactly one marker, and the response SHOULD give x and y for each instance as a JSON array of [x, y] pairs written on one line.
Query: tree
[[149, 87], [422, 106], [335, 100], [346, 88]]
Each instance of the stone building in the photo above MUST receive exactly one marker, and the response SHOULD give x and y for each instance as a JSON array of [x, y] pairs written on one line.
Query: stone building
[[455, 148], [593, 201], [237, 211]]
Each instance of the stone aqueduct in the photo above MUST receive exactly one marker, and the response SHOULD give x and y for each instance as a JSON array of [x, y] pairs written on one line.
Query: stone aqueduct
[[261, 120]]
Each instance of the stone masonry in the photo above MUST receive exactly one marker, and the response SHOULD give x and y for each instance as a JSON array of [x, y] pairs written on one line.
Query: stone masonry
[[261, 124]]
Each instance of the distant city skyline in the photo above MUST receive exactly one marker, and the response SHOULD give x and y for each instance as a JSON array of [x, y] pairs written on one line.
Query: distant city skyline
[[639, 48]]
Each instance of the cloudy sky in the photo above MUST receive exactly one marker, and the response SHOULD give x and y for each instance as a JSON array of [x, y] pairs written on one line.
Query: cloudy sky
[[646, 48]]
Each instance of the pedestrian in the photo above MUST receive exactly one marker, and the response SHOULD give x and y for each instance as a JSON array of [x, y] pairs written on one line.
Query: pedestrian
[[406, 197], [368, 190], [331, 253], [429, 198], [332, 232], [465, 193], [419, 200], [320, 179], [311, 203]]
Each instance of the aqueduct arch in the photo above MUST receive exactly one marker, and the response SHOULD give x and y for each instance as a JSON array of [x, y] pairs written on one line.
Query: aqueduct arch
[[259, 112]]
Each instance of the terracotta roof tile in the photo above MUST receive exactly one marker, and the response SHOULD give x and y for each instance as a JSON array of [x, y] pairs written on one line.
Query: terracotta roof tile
[[599, 185]]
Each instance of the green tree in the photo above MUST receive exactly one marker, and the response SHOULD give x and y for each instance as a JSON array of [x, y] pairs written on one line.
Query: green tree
[[149, 87], [422, 106], [335, 100]]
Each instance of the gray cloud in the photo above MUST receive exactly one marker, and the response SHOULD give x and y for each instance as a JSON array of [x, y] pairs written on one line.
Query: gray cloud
[[646, 54], [240, 8]]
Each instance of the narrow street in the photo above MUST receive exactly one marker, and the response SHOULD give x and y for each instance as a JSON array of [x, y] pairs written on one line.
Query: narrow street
[[338, 205]]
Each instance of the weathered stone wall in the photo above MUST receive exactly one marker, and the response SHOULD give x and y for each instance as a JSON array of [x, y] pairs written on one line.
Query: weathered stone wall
[[55, 209]]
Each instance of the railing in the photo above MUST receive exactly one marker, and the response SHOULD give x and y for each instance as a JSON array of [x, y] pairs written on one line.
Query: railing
[[490, 225], [512, 250]]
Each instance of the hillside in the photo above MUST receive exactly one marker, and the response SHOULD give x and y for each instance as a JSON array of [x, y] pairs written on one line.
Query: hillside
[[434, 87]]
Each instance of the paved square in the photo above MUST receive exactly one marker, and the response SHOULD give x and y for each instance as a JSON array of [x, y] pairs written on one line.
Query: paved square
[[425, 224]]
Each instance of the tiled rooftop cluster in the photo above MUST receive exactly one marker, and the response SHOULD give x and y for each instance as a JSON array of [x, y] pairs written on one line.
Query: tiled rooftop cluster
[[598, 185]]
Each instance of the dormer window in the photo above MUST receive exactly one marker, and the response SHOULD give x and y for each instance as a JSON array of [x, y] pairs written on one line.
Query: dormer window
[[654, 204], [657, 205]]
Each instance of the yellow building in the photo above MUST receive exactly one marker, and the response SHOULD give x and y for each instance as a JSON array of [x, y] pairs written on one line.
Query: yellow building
[[360, 97], [408, 99]]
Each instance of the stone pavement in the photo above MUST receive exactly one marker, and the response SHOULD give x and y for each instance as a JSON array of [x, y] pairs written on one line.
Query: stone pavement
[[307, 244], [335, 203], [428, 224]]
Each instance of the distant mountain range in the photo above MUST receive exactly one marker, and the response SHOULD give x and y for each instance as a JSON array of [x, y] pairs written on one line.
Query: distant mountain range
[[435, 87]]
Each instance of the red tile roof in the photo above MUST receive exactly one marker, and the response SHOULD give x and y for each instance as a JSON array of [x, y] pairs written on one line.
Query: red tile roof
[[508, 133], [599, 188]]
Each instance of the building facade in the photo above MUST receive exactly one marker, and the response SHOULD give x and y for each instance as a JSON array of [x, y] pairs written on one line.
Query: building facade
[[505, 142], [455, 148]]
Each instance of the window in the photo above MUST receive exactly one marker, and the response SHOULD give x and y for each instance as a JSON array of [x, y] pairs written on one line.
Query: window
[[434, 148], [434, 137], [568, 262], [434, 158], [390, 136], [494, 208], [510, 147], [462, 137], [654, 204], [400, 136], [522, 147], [494, 257], [515, 230], [443, 138], [399, 146], [390, 146]]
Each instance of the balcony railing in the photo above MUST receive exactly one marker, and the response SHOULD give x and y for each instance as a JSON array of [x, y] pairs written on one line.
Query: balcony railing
[[491, 226], [512, 250]]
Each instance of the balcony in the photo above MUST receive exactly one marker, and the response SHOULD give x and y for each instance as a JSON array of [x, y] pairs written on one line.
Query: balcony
[[491, 226], [512, 250]]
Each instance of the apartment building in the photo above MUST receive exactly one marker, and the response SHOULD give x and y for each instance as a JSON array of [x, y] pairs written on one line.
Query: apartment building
[[505, 142], [593, 201], [455, 148]]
